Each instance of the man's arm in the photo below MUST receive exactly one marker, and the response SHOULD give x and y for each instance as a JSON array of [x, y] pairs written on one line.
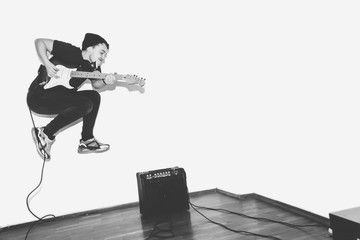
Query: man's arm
[[44, 46], [99, 83]]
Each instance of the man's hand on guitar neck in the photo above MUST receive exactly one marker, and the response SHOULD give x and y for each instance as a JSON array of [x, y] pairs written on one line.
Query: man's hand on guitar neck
[[110, 79], [99, 83]]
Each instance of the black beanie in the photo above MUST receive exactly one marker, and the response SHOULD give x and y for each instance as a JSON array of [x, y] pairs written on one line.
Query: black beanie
[[92, 39]]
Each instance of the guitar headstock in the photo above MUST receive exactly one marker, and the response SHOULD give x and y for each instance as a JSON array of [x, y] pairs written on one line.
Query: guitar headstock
[[134, 79]]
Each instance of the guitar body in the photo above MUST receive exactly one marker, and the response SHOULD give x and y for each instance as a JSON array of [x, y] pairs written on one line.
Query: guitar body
[[64, 73], [48, 82], [62, 80]]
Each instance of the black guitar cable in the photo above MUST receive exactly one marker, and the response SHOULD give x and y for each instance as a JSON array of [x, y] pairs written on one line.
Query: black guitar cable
[[260, 218], [161, 232], [233, 230], [251, 217], [27, 198]]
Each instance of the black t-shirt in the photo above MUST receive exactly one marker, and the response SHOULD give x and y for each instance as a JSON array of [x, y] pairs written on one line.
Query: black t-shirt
[[69, 56], [66, 54]]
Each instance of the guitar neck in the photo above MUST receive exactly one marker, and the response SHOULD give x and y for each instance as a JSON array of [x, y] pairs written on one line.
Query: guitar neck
[[93, 75]]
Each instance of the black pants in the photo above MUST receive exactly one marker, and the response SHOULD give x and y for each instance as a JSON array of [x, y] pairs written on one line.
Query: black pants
[[68, 105]]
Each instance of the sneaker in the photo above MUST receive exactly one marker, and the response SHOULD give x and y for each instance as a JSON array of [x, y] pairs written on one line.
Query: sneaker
[[42, 142], [92, 146]]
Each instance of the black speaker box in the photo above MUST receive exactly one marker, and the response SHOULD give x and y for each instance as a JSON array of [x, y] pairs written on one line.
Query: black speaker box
[[162, 191]]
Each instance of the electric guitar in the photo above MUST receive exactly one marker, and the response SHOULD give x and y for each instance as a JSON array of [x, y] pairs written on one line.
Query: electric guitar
[[65, 74]]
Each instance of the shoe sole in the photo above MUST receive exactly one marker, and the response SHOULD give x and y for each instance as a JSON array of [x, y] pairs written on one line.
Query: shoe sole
[[38, 145], [86, 151]]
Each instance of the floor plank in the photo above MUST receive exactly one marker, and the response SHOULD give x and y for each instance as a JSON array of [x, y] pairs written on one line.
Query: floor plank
[[126, 222]]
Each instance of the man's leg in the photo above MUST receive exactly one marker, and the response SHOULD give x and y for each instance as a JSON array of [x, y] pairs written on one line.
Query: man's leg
[[88, 144], [68, 105], [90, 118]]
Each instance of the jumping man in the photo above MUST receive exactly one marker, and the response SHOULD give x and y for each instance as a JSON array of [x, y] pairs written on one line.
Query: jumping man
[[68, 103]]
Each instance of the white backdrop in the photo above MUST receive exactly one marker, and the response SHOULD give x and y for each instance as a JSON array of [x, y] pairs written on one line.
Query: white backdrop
[[246, 96]]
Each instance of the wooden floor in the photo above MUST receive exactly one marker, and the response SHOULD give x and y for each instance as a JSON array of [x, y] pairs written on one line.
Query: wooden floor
[[125, 222]]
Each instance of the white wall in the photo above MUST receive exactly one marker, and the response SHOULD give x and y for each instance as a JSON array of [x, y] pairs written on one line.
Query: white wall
[[247, 96]]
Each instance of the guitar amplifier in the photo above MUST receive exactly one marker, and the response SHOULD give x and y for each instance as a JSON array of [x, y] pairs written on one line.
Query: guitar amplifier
[[162, 191]]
